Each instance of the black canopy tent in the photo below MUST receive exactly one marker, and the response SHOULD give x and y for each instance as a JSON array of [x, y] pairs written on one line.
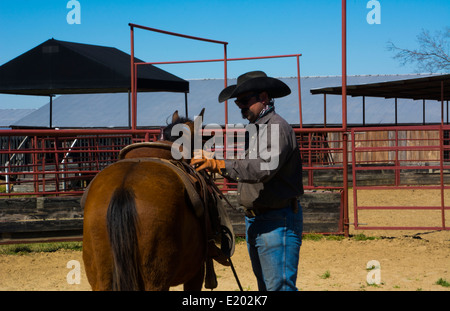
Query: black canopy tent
[[59, 67], [435, 87]]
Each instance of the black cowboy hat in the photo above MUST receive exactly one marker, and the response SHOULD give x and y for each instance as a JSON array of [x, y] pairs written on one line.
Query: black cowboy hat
[[255, 81]]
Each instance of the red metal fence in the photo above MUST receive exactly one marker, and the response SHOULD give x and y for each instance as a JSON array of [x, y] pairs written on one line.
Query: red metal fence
[[415, 161], [404, 159], [59, 162], [62, 162]]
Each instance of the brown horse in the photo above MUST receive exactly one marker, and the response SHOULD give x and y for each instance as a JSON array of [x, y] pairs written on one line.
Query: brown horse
[[140, 229]]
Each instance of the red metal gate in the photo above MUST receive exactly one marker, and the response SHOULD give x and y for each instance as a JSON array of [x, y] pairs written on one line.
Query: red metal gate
[[411, 160]]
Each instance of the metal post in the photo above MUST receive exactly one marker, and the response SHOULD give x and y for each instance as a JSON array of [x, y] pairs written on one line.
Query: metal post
[[7, 190], [423, 112], [133, 86], [441, 168], [355, 196], [397, 160], [225, 69], [442, 102], [57, 178], [186, 105], [51, 111], [310, 172], [344, 65], [35, 165], [447, 111], [345, 182], [225, 78], [344, 117], [364, 111], [129, 108], [299, 92], [7, 169], [396, 116], [441, 164]]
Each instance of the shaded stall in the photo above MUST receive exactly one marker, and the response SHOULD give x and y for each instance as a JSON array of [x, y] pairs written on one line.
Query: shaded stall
[[427, 88]]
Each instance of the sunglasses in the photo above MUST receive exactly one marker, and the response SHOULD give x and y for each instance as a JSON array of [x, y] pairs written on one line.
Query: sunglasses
[[244, 100]]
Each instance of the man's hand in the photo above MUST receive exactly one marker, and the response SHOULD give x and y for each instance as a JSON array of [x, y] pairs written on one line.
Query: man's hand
[[204, 160]]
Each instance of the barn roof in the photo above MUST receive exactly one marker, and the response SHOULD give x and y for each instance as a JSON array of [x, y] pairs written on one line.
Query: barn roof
[[10, 116], [154, 109]]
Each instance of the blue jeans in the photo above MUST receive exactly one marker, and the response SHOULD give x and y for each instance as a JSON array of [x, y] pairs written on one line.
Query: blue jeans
[[273, 241]]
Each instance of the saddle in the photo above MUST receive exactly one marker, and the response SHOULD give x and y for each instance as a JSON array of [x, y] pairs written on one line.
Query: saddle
[[157, 149], [205, 197]]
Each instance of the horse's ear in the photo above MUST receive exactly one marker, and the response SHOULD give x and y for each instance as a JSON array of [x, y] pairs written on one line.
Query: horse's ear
[[201, 113], [175, 116]]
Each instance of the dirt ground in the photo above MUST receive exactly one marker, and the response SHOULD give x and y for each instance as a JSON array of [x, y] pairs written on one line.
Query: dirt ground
[[408, 260]]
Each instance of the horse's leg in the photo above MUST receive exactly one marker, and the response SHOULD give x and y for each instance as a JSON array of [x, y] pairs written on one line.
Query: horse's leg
[[97, 266], [196, 283], [96, 251]]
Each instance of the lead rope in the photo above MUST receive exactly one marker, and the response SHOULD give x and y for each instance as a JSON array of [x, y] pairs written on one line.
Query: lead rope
[[235, 275]]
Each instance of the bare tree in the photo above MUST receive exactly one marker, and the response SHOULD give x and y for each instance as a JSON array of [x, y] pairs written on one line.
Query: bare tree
[[433, 54]]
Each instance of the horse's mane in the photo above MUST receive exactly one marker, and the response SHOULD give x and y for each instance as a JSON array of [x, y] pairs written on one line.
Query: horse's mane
[[167, 131]]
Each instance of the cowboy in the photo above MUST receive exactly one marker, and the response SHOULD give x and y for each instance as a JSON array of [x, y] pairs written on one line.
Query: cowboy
[[273, 215]]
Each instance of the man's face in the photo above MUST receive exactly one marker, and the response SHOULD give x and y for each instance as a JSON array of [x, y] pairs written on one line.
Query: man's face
[[251, 104]]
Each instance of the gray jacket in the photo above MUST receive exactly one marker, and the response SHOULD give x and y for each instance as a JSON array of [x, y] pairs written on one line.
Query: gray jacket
[[270, 175]]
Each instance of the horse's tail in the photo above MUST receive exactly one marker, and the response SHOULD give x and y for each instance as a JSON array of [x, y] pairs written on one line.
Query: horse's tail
[[122, 231]]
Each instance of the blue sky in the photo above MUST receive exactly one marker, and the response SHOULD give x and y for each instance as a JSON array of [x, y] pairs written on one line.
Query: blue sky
[[252, 28]]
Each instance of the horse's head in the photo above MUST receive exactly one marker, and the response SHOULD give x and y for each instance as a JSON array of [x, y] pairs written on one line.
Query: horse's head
[[173, 133]]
